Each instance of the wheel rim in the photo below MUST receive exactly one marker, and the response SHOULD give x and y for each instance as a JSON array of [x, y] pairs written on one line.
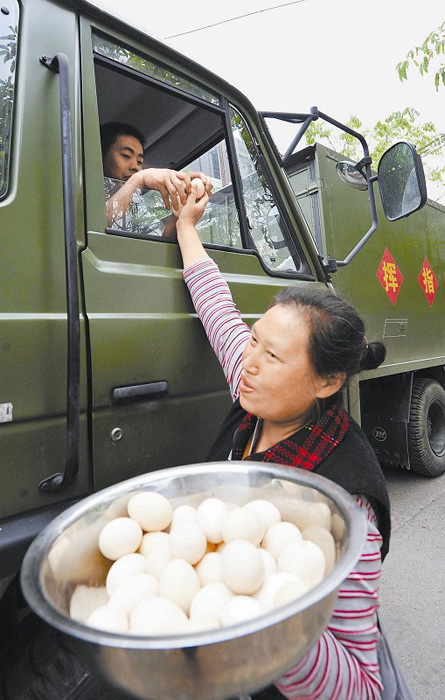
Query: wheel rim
[[436, 428]]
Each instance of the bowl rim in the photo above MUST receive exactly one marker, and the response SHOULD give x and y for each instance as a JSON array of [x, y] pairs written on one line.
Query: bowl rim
[[31, 566]]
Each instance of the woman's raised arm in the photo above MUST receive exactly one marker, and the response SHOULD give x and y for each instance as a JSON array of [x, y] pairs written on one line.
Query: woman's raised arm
[[192, 250], [211, 296]]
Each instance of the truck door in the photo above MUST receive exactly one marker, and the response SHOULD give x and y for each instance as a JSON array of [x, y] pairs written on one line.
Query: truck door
[[33, 316], [158, 395]]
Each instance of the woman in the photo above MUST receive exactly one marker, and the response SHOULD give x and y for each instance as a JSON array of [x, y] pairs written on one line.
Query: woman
[[286, 375]]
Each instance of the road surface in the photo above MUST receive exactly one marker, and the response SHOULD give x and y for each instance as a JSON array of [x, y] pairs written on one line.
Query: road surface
[[413, 584]]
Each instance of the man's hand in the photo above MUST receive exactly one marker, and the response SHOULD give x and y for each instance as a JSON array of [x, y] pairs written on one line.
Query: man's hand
[[173, 186], [206, 181]]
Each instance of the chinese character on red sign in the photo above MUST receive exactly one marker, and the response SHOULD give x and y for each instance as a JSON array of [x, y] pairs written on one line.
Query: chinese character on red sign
[[389, 276], [428, 282]]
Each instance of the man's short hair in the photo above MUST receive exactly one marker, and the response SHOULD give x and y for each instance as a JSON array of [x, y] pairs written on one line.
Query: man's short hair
[[111, 131]]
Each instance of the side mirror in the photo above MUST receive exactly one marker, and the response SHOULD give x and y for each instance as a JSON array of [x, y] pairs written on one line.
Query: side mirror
[[401, 181]]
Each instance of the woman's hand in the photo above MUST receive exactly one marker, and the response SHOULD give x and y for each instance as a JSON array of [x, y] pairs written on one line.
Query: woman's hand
[[189, 242], [193, 209]]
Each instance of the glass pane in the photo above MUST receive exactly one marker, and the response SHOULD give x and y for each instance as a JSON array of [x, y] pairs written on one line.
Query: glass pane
[[145, 214], [9, 18], [107, 47], [266, 228], [219, 225]]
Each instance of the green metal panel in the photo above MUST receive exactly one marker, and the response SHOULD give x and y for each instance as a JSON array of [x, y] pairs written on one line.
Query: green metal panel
[[143, 329], [32, 278], [30, 452]]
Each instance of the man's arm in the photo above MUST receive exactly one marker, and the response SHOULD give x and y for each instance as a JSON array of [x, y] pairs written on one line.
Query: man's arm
[[172, 186], [170, 228]]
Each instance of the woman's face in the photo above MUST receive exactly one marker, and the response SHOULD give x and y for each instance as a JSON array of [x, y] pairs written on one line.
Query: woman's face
[[277, 381]]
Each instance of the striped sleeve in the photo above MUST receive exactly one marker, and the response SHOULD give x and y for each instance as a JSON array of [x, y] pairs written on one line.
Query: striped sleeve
[[225, 329], [343, 664]]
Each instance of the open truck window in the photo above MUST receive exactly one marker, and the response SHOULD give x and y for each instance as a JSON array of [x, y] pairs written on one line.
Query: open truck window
[[188, 128], [9, 19], [183, 129]]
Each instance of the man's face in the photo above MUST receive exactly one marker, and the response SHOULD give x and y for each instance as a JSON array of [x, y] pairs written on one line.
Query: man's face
[[124, 158]]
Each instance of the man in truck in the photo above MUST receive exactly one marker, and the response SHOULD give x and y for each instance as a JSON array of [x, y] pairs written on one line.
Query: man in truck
[[126, 178]]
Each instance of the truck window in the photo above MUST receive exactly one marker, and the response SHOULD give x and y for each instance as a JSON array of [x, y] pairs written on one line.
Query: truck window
[[9, 19], [109, 49], [303, 178], [183, 129], [267, 229]]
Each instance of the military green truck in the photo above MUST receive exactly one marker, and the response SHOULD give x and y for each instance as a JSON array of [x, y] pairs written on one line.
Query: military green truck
[[105, 371], [396, 281]]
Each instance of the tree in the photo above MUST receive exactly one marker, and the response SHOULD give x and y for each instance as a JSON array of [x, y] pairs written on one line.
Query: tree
[[398, 126], [421, 56]]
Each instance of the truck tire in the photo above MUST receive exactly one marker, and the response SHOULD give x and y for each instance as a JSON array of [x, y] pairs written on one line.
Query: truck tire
[[426, 428]]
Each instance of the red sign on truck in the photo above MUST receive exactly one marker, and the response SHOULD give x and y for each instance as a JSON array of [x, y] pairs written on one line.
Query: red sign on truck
[[389, 276], [428, 281]]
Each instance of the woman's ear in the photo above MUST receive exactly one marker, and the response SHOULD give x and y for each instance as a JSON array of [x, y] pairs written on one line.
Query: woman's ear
[[327, 386]]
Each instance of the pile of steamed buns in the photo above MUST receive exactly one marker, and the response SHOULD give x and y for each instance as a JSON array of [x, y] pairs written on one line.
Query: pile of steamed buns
[[195, 569]]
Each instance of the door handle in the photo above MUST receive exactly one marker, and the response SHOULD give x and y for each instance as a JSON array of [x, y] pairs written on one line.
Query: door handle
[[139, 392]]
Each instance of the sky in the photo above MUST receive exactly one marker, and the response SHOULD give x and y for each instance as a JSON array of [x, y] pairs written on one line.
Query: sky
[[338, 55]]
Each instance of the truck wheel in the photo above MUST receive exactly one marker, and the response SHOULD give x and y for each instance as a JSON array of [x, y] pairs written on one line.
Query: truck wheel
[[426, 428]]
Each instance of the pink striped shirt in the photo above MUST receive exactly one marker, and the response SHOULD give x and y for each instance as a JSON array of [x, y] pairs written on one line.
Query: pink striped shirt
[[342, 665]]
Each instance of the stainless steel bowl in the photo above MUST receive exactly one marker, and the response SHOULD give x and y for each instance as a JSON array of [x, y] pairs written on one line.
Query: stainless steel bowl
[[210, 665]]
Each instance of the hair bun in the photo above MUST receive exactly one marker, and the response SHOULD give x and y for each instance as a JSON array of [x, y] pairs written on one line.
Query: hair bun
[[374, 355]]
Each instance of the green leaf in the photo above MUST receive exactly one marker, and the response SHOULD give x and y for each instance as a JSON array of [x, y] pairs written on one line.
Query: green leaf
[[421, 56], [402, 70]]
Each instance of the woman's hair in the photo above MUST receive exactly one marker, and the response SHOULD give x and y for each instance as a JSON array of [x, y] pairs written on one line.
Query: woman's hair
[[110, 132], [337, 340]]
